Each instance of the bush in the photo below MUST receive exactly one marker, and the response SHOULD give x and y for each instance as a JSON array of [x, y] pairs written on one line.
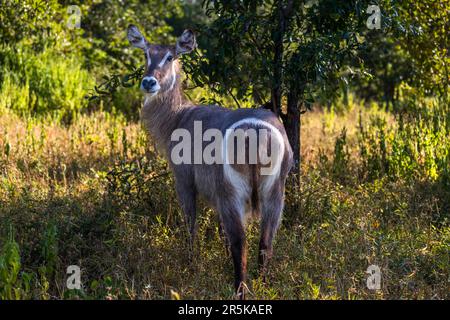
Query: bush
[[42, 83], [417, 147], [13, 283]]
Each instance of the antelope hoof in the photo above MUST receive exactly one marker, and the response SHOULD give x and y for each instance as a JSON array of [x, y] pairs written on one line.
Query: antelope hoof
[[241, 291]]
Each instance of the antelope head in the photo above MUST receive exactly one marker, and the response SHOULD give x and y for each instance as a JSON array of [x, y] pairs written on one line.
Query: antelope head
[[161, 67]]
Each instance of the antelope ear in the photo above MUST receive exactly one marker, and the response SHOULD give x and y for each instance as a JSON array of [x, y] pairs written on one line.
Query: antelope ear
[[186, 42], [136, 38]]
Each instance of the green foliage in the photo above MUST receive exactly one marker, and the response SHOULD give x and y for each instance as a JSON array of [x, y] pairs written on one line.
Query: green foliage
[[410, 49], [14, 284], [124, 101], [373, 148], [258, 46], [417, 147], [29, 20], [143, 180], [341, 156], [426, 41], [106, 22], [42, 83], [49, 250]]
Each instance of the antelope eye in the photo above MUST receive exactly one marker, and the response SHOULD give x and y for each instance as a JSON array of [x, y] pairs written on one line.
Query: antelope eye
[[169, 58]]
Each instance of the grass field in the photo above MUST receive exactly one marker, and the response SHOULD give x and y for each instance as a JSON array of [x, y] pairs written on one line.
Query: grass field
[[96, 194]]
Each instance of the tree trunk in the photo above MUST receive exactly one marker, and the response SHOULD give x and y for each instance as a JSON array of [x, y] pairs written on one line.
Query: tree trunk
[[277, 36], [292, 125], [291, 121]]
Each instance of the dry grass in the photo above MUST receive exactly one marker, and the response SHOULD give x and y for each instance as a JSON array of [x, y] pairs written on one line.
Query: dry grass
[[92, 194]]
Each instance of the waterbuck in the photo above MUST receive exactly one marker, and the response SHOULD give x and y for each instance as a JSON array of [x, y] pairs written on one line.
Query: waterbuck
[[235, 189]]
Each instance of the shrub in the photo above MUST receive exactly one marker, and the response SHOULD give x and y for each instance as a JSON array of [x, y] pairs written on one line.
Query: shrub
[[47, 82], [13, 283], [417, 147]]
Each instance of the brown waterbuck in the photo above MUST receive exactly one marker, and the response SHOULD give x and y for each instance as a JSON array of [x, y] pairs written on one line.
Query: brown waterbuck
[[236, 189]]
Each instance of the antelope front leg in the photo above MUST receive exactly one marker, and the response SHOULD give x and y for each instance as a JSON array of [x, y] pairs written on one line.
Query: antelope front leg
[[187, 197]]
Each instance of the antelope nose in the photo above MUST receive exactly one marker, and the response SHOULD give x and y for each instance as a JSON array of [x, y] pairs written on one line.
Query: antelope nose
[[148, 83]]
